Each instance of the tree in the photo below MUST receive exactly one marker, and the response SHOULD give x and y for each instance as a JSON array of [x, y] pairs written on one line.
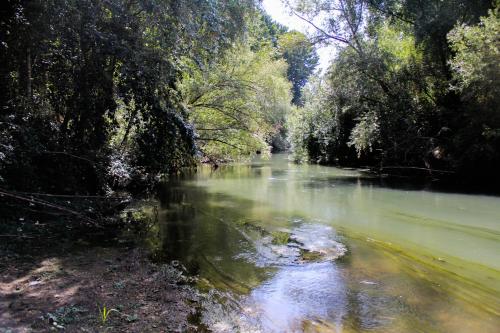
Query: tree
[[389, 86], [92, 84], [476, 69], [476, 63], [237, 103], [301, 57]]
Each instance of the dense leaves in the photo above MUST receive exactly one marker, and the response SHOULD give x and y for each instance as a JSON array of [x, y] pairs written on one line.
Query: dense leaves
[[89, 96], [301, 56], [98, 95], [237, 104], [413, 89]]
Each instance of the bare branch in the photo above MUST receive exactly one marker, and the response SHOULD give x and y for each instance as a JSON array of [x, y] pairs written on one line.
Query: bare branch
[[71, 196], [415, 168], [47, 204], [330, 36], [222, 129], [221, 141], [70, 155]]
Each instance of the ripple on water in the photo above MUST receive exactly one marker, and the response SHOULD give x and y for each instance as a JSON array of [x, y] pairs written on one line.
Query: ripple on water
[[311, 290], [300, 290]]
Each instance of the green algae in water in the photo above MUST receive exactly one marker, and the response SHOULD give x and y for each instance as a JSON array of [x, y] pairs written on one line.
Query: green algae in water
[[280, 237], [418, 261]]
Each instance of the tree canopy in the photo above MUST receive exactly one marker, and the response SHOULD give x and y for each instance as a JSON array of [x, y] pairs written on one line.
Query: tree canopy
[[97, 93], [414, 87], [101, 94], [238, 103], [301, 57]]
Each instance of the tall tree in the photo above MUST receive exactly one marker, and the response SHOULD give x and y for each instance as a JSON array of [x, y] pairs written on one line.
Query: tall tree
[[90, 81], [302, 59], [238, 103], [389, 86]]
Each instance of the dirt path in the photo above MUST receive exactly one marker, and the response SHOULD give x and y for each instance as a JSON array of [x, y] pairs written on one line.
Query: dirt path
[[51, 293]]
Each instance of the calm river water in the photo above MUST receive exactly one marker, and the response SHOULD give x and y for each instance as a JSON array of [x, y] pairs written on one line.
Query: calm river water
[[383, 258]]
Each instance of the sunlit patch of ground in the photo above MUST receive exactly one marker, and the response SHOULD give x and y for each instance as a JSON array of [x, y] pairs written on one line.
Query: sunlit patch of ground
[[38, 294]]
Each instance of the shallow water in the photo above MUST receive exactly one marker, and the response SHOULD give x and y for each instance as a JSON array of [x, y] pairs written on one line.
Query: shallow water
[[416, 261]]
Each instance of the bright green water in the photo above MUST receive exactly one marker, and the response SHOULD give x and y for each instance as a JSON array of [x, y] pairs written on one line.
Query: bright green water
[[417, 260]]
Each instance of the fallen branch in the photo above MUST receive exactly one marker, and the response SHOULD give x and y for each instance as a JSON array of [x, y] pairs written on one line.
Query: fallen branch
[[17, 236], [71, 196], [416, 168], [70, 155], [47, 204]]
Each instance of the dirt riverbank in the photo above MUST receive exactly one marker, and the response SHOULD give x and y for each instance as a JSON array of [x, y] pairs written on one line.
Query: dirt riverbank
[[67, 292]]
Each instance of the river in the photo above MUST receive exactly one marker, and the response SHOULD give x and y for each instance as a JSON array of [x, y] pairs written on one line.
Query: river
[[281, 247]]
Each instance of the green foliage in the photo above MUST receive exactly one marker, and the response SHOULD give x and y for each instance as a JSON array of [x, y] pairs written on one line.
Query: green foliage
[[88, 94], [387, 99], [104, 313], [365, 133], [476, 69], [98, 95], [237, 103], [310, 125], [263, 31], [398, 44], [301, 57], [476, 64], [65, 315]]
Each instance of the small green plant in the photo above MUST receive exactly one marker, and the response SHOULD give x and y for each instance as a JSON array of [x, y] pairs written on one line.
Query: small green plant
[[104, 313], [65, 315]]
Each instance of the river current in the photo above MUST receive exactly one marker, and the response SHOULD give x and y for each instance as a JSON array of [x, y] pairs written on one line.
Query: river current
[[280, 247]]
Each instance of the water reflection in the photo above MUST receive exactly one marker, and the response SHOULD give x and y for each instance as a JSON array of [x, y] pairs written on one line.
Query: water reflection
[[299, 293], [417, 260]]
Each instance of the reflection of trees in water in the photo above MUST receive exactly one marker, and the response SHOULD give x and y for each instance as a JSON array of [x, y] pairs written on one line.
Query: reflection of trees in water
[[200, 233], [197, 227]]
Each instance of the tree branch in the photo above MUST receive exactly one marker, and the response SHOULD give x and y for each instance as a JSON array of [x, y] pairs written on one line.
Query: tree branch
[[47, 204], [390, 13], [415, 168], [337, 38], [221, 129], [221, 141], [70, 155]]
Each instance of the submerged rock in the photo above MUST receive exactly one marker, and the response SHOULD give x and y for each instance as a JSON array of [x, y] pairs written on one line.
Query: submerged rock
[[306, 255], [306, 243]]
